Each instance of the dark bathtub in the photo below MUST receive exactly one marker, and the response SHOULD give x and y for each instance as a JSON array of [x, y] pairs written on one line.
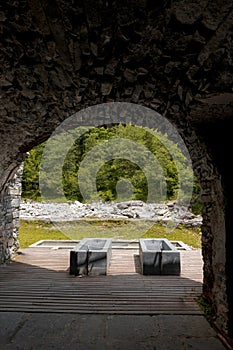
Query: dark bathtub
[[91, 256], [158, 257]]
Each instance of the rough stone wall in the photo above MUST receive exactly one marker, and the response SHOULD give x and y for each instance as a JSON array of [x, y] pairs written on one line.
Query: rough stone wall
[[9, 216], [218, 221], [213, 226], [57, 58], [214, 251]]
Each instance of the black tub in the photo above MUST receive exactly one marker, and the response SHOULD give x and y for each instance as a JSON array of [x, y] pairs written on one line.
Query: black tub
[[91, 256], [159, 257]]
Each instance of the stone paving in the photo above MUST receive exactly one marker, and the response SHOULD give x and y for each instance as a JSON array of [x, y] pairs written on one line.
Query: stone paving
[[41, 331]]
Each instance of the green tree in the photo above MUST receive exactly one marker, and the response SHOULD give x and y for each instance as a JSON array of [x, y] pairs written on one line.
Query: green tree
[[144, 160], [30, 177]]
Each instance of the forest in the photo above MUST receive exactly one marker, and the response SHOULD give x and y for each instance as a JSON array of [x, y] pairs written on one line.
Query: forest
[[114, 163]]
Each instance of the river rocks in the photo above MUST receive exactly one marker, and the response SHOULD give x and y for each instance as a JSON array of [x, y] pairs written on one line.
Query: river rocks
[[104, 210]]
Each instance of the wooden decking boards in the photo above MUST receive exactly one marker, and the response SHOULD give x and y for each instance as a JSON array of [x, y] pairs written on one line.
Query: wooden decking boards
[[39, 281]]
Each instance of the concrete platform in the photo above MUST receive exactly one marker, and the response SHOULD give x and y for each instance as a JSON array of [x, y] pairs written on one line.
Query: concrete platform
[[42, 331]]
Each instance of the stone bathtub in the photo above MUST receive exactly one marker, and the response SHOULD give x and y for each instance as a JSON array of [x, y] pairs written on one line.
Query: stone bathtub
[[91, 256], [158, 257]]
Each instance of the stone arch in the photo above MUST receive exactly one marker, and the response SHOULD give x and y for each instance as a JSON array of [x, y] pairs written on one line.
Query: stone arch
[[58, 58]]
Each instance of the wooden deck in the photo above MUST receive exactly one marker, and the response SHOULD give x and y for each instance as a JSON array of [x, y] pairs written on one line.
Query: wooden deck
[[39, 281]]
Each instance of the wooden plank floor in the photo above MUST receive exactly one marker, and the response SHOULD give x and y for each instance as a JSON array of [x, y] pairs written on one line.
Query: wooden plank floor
[[39, 281]]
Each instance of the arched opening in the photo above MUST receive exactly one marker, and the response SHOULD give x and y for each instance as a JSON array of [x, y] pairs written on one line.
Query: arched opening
[[206, 167], [86, 164], [213, 225]]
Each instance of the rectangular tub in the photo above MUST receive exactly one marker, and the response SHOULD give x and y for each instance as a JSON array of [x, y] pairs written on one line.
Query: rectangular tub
[[158, 257], [91, 256]]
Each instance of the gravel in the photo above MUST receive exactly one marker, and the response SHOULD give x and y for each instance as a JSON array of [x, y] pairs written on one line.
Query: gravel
[[70, 211]]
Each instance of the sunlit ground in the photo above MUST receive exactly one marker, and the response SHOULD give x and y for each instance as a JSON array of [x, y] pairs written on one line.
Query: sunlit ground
[[33, 231]]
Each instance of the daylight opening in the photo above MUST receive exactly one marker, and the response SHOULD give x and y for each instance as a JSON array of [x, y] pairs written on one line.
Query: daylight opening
[[120, 181]]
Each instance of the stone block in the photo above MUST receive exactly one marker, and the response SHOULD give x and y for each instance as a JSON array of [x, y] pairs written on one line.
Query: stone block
[[159, 257], [91, 256]]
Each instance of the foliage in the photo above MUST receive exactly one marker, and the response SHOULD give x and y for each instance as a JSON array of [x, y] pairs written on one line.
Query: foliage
[[206, 306], [196, 201], [116, 163], [30, 178]]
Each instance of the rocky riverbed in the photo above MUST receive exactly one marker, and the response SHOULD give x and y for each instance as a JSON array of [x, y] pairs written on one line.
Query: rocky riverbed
[[60, 212]]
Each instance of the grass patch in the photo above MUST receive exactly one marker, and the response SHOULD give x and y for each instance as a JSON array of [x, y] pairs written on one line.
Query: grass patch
[[33, 231], [189, 236]]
